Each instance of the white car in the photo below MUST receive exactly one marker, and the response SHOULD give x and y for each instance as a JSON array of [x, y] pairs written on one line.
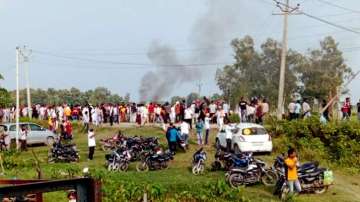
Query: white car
[[246, 137], [36, 135]]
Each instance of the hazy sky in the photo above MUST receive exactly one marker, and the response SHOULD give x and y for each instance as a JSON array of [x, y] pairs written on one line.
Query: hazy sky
[[84, 43]]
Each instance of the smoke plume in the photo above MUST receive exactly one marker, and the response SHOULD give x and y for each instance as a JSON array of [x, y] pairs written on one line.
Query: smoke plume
[[211, 30]]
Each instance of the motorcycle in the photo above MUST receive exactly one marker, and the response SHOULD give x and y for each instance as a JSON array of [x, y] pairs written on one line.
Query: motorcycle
[[63, 153], [310, 175], [227, 161], [118, 160], [198, 164], [254, 172], [154, 161]]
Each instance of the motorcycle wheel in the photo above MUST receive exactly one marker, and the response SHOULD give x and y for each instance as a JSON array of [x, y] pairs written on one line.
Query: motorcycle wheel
[[105, 148], [113, 167], [236, 180], [198, 169], [142, 167], [284, 193], [124, 167], [269, 178], [216, 165], [321, 190]]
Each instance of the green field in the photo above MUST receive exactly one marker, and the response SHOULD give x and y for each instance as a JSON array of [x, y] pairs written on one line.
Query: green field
[[175, 181]]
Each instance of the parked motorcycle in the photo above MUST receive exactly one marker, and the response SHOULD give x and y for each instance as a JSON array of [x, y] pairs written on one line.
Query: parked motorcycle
[[118, 160], [154, 161], [63, 153], [254, 172], [198, 164], [310, 175], [227, 161]]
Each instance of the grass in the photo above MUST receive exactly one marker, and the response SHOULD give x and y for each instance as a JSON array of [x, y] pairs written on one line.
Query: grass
[[178, 176]]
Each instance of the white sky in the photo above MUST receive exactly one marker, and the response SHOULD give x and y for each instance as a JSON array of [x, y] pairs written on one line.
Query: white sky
[[110, 30]]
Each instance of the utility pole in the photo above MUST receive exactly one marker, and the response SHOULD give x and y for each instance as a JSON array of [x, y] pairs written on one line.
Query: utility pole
[[17, 113], [26, 54], [199, 84], [285, 11]]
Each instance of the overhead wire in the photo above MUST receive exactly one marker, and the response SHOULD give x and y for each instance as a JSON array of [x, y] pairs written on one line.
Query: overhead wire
[[338, 6]]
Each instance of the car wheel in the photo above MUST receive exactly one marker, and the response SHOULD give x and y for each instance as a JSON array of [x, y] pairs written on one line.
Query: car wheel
[[217, 144], [237, 149], [50, 141]]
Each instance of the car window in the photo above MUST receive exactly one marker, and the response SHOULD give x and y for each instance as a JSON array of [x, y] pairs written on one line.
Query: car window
[[34, 127], [254, 131], [13, 128], [3, 127]]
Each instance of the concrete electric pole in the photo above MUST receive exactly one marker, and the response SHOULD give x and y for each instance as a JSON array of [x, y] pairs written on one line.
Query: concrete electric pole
[[285, 11], [17, 110], [26, 54]]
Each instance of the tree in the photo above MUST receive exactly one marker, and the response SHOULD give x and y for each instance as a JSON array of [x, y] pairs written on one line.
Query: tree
[[324, 70], [256, 73], [5, 98]]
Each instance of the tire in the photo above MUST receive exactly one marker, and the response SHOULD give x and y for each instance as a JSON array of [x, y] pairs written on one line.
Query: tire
[[284, 193], [236, 180], [142, 167], [217, 144], [237, 149], [124, 167], [50, 141], [198, 169], [321, 190], [269, 178], [215, 166], [105, 148]]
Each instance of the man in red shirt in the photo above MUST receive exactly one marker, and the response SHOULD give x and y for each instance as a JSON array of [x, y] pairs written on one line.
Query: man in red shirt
[[68, 129], [346, 108], [151, 109]]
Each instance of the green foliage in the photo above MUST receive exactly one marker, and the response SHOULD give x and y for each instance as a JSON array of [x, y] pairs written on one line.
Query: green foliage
[[234, 118], [256, 73], [335, 142], [5, 98]]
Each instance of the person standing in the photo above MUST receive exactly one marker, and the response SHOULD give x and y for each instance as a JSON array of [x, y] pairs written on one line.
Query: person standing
[[188, 114], [199, 131], [207, 127], [291, 172], [291, 108], [23, 137], [358, 110], [346, 109], [185, 131], [86, 120], [297, 110], [243, 110], [172, 137], [325, 114], [228, 136], [212, 110], [91, 143], [306, 109]]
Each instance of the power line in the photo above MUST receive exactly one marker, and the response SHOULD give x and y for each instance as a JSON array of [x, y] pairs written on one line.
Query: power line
[[125, 63], [338, 6], [320, 19]]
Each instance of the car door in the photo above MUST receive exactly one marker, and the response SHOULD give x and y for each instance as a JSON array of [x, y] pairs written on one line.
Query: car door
[[255, 135], [35, 133]]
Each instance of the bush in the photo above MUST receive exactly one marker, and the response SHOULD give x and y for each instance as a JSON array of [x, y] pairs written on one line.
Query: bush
[[335, 142]]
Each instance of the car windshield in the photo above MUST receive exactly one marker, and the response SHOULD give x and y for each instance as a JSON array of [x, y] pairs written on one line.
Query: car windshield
[[254, 131]]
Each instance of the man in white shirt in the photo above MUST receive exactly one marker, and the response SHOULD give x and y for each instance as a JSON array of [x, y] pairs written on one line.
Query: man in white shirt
[[86, 119], [212, 109], [291, 108], [188, 115], [228, 136], [185, 131], [91, 143], [207, 121]]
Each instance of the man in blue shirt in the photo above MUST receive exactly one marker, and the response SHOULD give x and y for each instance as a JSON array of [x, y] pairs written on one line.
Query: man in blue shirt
[[172, 137]]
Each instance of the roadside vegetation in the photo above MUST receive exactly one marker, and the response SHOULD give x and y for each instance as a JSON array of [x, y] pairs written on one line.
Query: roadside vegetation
[[335, 145]]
